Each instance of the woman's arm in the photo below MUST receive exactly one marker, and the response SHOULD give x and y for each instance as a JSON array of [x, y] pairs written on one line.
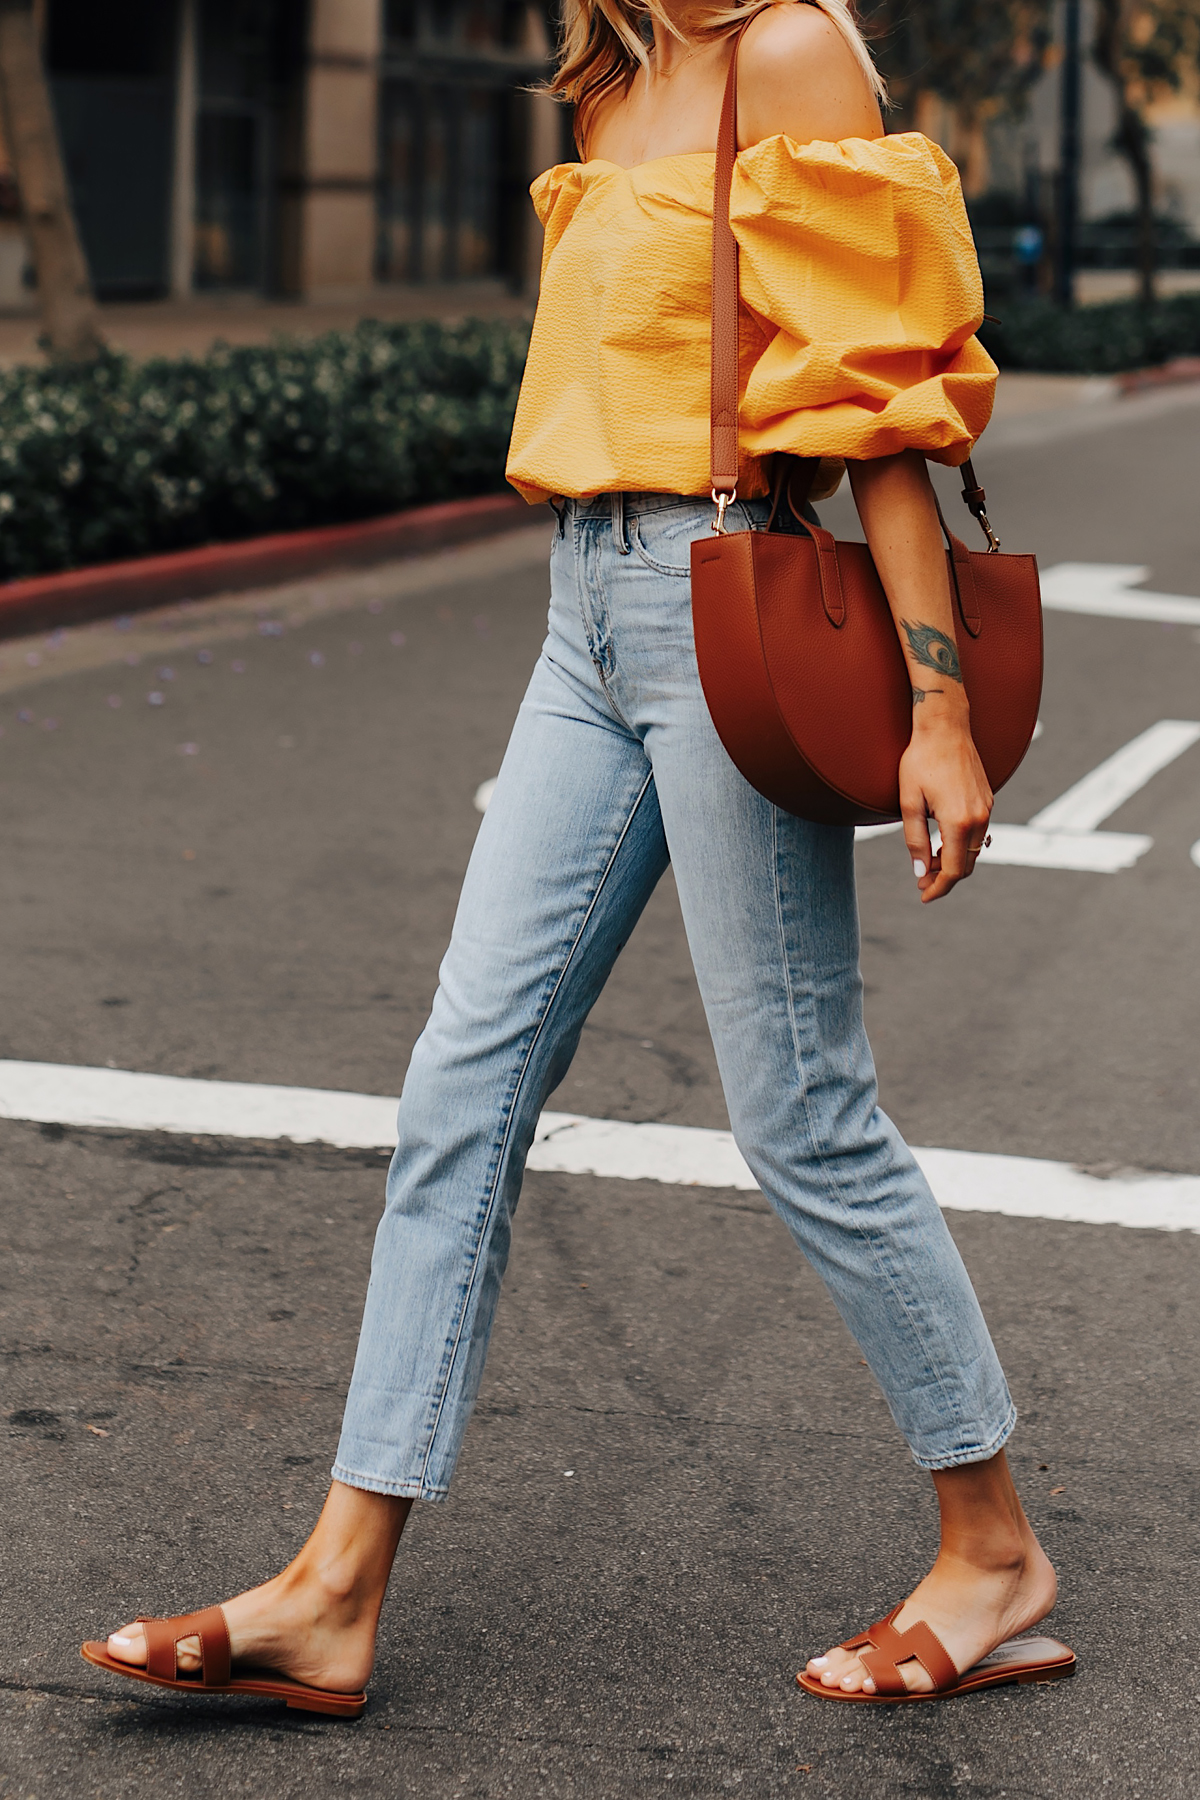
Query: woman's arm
[[798, 76], [940, 773]]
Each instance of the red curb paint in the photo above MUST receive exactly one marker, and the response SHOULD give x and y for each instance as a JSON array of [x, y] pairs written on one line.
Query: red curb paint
[[1169, 374], [77, 595]]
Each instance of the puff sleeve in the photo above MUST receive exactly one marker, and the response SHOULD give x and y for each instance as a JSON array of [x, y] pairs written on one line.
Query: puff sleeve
[[857, 264]]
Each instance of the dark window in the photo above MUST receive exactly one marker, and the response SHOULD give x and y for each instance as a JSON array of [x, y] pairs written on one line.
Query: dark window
[[229, 200], [110, 37], [111, 72], [249, 55], [452, 130]]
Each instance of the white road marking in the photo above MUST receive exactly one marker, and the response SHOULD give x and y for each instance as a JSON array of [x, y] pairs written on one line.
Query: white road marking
[[569, 1143], [54, 1093], [1110, 591], [1092, 800], [1090, 852]]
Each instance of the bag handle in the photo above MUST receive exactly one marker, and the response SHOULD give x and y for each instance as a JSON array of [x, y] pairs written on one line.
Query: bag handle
[[726, 303]]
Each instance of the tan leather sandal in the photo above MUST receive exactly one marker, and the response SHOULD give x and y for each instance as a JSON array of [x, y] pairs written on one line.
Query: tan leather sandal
[[881, 1649], [163, 1637]]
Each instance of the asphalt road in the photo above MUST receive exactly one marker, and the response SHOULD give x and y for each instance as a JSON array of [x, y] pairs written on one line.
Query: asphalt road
[[254, 880]]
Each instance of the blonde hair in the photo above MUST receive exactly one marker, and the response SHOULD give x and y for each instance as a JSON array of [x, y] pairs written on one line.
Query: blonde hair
[[602, 44]]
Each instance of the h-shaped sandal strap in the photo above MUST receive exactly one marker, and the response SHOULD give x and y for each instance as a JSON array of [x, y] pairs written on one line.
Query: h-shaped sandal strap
[[888, 1648], [163, 1637]]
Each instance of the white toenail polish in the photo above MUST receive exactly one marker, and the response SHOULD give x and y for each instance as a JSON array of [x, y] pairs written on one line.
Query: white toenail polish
[[118, 1637], [819, 1662]]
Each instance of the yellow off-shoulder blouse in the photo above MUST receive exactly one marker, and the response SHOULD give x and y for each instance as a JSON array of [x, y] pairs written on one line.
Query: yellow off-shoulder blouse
[[860, 297]]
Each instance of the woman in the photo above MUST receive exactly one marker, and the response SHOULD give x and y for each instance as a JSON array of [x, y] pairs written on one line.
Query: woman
[[860, 298]]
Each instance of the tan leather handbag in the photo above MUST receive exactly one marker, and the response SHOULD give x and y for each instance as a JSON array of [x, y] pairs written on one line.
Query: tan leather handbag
[[799, 657]]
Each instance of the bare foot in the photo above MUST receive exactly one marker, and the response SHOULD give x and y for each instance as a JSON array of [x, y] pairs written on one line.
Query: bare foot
[[991, 1581], [317, 1621]]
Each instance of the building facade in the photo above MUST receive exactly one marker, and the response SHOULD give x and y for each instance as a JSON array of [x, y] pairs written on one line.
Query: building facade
[[312, 148]]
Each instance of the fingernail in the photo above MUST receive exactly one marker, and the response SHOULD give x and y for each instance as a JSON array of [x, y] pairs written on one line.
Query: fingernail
[[919, 870]]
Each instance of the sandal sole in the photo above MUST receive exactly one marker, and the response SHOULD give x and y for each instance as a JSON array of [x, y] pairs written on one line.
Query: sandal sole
[[293, 1693]]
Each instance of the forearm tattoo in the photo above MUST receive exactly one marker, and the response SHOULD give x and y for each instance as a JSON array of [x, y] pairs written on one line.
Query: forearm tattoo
[[932, 647], [920, 693]]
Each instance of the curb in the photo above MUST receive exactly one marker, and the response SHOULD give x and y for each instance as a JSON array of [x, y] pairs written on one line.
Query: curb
[[1169, 374], [75, 596]]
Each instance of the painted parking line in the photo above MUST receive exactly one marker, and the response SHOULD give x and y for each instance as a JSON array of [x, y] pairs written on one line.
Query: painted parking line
[[570, 1143], [1110, 591]]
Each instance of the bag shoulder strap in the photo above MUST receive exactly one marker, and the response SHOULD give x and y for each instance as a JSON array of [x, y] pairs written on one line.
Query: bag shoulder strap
[[726, 303], [723, 407]]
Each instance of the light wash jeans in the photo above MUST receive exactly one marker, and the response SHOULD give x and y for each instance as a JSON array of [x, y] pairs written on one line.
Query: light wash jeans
[[614, 769]]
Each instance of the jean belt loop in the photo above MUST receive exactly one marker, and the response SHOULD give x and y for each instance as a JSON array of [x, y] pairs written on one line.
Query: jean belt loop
[[618, 524]]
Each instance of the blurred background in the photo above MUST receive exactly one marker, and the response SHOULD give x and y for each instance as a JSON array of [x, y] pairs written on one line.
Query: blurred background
[[346, 152], [329, 152], [271, 263]]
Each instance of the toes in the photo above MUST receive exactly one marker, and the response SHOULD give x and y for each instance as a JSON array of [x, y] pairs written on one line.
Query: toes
[[841, 1671], [837, 1670], [128, 1645]]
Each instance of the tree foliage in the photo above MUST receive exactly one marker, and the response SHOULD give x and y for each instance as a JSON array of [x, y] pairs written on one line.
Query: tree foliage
[[980, 56], [1145, 47]]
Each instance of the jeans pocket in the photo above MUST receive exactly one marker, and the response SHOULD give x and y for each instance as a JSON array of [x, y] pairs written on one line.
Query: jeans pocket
[[657, 563], [673, 533]]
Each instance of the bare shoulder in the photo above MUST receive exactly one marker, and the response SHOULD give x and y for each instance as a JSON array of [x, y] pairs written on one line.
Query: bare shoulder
[[798, 75]]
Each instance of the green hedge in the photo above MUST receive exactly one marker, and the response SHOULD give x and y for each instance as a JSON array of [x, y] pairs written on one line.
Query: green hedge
[[1093, 340], [118, 458]]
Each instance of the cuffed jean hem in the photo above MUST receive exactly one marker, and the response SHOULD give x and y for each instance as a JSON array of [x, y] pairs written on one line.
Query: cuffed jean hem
[[983, 1454], [397, 1490]]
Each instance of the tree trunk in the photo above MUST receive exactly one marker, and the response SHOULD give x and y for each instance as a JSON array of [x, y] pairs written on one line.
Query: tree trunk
[[1131, 138], [1133, 141], [64, 287]]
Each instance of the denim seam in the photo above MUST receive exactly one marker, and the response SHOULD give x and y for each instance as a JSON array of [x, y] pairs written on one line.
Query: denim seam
[[513, 1101], [985, 1451], [867, 1239], [660, 568], [599, 642], [397, 1490]]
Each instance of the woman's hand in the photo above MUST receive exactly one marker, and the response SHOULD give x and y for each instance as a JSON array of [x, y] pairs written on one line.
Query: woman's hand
[[942, 777]]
